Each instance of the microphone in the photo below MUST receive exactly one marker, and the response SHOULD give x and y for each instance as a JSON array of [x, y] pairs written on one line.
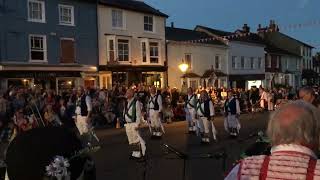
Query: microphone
[[176, 152]]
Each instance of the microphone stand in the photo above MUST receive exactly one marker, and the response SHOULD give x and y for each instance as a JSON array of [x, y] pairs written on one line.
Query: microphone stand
[[185, 157]]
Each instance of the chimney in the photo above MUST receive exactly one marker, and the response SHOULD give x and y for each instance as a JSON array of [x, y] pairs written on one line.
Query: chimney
[[273, 26], [172, 24], [246, 28]]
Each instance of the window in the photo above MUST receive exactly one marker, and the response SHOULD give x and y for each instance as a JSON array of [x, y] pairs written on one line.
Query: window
[[242, 62], [259, 63], [217, 62], [188, 60], [66, 15], [144, 52], [67, 51], [277, 61], [234, 62], [148, 23], [117, 19], [36, 11], [154, 52], [297, 64], [193, 84], [38, 48], [123, 50], [252, 62], [111, 50], [269, 62]]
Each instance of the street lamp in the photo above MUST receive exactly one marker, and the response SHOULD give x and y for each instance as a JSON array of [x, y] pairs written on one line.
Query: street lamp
[[183, 67]]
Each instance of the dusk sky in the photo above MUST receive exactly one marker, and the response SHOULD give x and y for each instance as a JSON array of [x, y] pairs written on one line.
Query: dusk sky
[[232, 14]]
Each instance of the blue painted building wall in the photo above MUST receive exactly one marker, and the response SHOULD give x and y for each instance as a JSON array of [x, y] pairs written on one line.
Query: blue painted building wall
[[15, 29]]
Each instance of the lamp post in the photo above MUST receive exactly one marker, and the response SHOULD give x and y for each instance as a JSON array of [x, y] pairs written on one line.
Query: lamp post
[[183, 68]]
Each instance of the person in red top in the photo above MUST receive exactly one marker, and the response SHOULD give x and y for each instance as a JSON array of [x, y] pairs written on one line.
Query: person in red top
[[294, 131]]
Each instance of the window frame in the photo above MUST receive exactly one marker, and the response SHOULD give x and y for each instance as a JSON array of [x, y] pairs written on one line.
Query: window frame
[[72, 23], [259, 63], [234, 60], [158, 43], [45, 51], [252, 63], [269, 62], [118, 59], [108, 39], [242, 62], [123, 19], [219, 62], [43, 11], [147, 23], [185, 60]]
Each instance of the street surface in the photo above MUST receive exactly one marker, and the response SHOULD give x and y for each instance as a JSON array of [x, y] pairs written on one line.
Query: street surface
[[112, 160]]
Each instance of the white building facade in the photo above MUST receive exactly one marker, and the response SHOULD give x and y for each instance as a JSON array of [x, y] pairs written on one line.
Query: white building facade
[[131, 44]]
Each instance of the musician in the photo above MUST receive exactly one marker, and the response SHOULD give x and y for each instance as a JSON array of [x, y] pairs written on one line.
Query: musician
[[205, 114], [294, 131], [154, 112], [83, 111], [232, 114], [190, 109], [133, 119]]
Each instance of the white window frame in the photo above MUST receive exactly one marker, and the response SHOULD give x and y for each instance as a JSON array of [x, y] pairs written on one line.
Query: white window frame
[[43, 11], [45, 58], [278, 62], [115, 48], [154, 56], [269, 61], [259, 65], [234, 58], [219, 62], [123, 19], [252, 63], [244, 62], [129, 50], [191, 60], [61, 22], [153, 23]]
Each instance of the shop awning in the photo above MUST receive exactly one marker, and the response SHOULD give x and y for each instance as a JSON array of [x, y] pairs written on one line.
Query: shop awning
[[130, 68], [190, 75], [48, 67]]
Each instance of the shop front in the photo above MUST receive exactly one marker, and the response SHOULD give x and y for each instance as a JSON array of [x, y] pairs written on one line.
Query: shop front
[[126, 75], [244, 81], [48, 77]]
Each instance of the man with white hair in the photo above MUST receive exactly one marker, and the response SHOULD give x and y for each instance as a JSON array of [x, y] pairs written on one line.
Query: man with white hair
[[294, 131], [154, 111], [133, 117]]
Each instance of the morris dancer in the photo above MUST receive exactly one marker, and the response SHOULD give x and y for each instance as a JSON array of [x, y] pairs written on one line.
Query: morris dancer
[[154, 110], [133, 118], [205, 113], [232, 113], [190, 108], [83, 111]]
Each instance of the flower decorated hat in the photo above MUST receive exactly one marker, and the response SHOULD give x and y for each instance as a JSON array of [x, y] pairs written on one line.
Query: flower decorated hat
[[44, 153]]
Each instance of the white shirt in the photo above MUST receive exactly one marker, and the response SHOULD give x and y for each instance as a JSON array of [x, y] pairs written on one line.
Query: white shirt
[[191, 101], [153, 99], [284, 147], [129, 108], [88, 103], [211, 107]]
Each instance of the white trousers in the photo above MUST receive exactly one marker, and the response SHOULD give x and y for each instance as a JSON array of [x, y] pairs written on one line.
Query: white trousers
[[155, 119], [190, 115], [207, 125], [270, 105], [134, 136], [82, 124], [231, 121]]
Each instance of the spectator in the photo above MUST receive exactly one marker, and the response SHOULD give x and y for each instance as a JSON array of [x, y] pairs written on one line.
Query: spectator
[[294, 132]]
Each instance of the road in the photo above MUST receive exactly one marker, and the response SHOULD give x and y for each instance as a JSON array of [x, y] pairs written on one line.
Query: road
[[112, 160]]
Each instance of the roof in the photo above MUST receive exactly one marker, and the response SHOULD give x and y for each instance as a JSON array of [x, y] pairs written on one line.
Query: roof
[[179, 34], [209, 72], [270, 48], [284, 42], [235, 36], [215, 31], [133, 5], [190, 75], [296, 40]]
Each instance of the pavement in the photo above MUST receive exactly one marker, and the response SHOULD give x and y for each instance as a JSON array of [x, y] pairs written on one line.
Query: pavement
[[204, 162]]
